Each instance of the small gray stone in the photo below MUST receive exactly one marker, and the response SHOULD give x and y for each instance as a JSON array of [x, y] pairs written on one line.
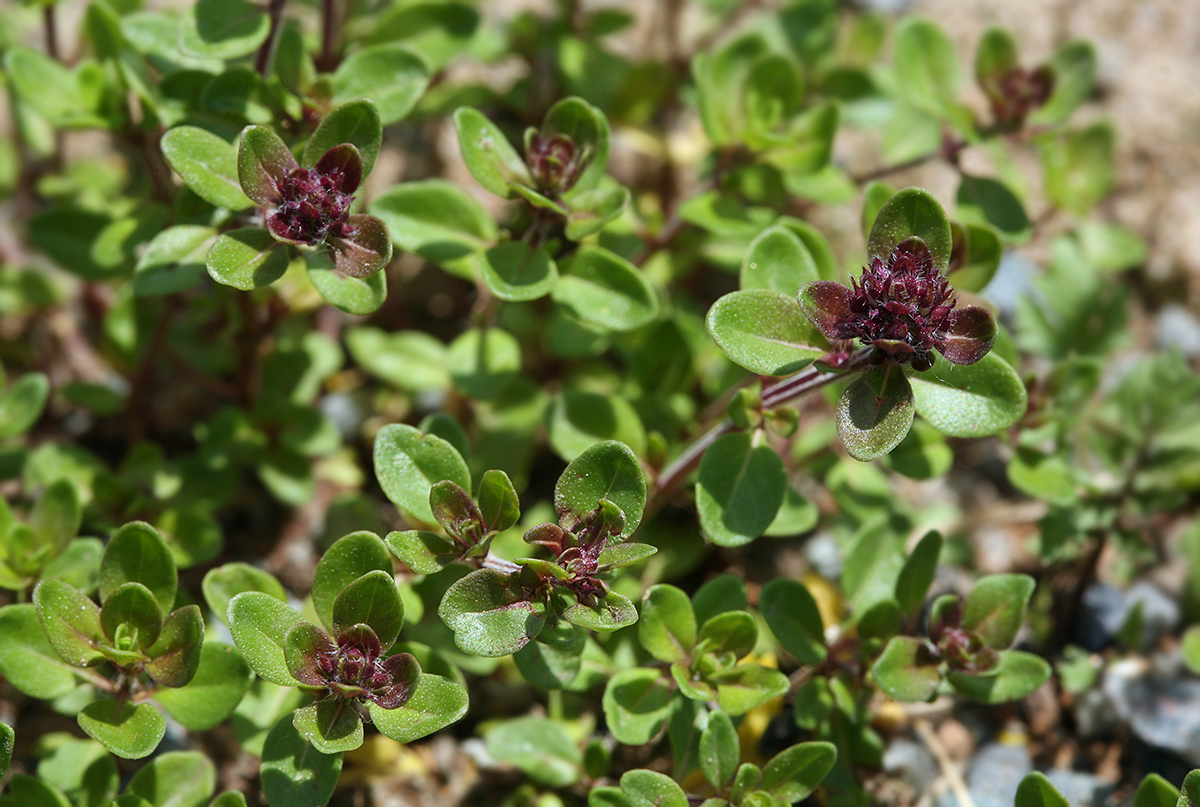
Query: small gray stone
[[1167, 715], [912, 761], [1160, 613], [1080, 789], [993, 776], [1095, 715]]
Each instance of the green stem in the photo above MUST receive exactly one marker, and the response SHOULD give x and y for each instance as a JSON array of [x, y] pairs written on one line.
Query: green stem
[[265, 59]]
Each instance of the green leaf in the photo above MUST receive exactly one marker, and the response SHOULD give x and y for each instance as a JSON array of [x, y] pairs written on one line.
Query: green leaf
[[230, 798], [995, 56], [29, 662], [540, 747], [223, 29], [1078, 167], [436, 703], [259, 624], [132, 609], [423, 552], [489, 156], [793, 774], [71, 622], [176, 779], [31, 791], [720, 750], [995, 608], [221, 584], [645, 788], [498, 501], [207, 164], [331, 725], [1035, 790], [603, 289], [130, 732], [410, 360], [976, 256], [352, 293], [174, 260], [917, 573], [222, 679], [907, 670], [588, 129], [7, 736], [1190, 647], [482, 362], [626, 554], [591, 210], [792, 615], [576, 420], [552, 665], [778, 260], [763, 331], [973, 400], [294, 774], [667, 628], [607, 470], [22, 404], [739, 489], [1190, 792], [613, 612], [409, 463], [516, 272], [1111, 247], [263, 162], [136, 553], [247, 258], [354, 122], [348, 559], [985, 200], [438, 221], [1074, 66], [371, 600], [390, 76], [1155, 791], [733, 632], [748, 686], [1016, 675], [490, 613], [636, 703], [875, 412], [926, 63], [911, 212]]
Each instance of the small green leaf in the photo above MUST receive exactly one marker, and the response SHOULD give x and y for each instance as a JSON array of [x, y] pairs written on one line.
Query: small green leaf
[[436, 702], [720, 750], [646, 788], [792, 615], [230, 798], [354, 122], [207, 164], [748, 686], [31, 791], [610, 613], [221, 584], [410, 360], [71, 622], [132, 608], [763, 331], [793, 774], [875, 413], [733, 632], [363, 289], [927, 67], [540, 747], [591, 210], [259, 624], [438, 221], [636, 702], [247, 258], [553, 665], [985, 200], [994, 58], [577, 420], [995, 608], [917, 573], [390, 76], [423, 552], [29, 662], [22, 404], [603, 289], [348, 559], [1155, 791], [907, 670], [1078, 167], [482, 362], [739, 489], [1035, 790], [176, 779], [498, 501], [1190, 791], [174, 260], [371, 600], [1074, 66], [976, 256], [626, 554], [223, 29], [778, 260], [263, 162], [490, 613], [136, 553], [911, 212], [7, 736], [294, 774], [331, 725], [1016, 675], [607, 470], [489, 156], [974, 400], [130, 732], [221, 680], [517, 272], [408, 464]]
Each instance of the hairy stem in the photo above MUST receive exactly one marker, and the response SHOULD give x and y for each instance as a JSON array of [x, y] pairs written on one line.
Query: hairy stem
[[265, 59]]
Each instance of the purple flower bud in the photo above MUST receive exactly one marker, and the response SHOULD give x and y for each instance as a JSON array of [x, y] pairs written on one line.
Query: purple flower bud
[[555, 163]]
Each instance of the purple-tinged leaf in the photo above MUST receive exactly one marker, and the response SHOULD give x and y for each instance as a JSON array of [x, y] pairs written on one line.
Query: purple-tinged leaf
[[490, 614], [175, 656], [403, 673], [907, 670], [371, 600], [305, 648], [970, 336], [279, 227], [364, 249], [263, 162], [826, 305], [343, 163]]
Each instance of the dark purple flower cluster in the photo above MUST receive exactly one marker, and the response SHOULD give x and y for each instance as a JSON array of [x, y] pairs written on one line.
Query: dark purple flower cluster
[[904, 307], [314, 203], [577, 552], [1018, 92], [555, 163], [353, 667]]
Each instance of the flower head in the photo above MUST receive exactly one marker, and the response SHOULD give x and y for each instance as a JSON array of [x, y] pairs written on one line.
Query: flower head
[[353, 667], [555, 162], [904, 307], [1017, 92]]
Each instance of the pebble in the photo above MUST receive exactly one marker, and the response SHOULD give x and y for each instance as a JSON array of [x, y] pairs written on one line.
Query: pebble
[[994, 775], [1078, 788], [1167, 715], [912, 761]]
